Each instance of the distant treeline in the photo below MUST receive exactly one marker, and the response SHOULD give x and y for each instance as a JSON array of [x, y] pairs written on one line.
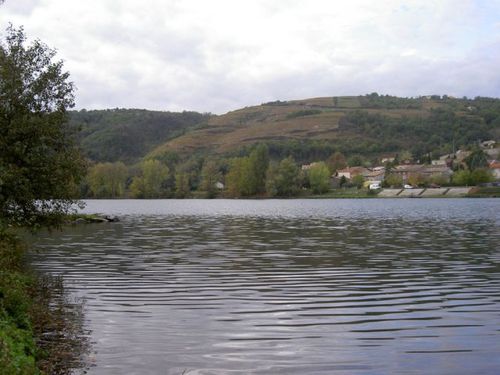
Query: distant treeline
[[255, 174]]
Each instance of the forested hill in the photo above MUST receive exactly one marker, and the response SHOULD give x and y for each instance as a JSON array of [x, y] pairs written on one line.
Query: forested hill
[[311, 129], [129, 134], [370, 125]]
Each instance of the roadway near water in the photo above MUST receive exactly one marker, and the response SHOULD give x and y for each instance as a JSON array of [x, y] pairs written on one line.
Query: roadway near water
[[406, 286]]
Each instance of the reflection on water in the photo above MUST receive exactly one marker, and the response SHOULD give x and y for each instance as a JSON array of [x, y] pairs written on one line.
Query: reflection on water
[[305, 287]]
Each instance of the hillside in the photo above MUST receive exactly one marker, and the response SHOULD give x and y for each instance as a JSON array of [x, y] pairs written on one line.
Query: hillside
[[128, 134], [369, 125], [310, 129]]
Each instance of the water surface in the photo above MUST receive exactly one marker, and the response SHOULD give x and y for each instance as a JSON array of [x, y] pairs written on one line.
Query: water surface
[[287, 286]]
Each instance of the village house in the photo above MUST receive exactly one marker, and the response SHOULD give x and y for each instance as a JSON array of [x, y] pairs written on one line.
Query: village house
[[351, 172], [388, 159], [443, 160], [493, 153], [495, 169], [437, 171], [426, 171], [370, 175], [406, 170], [307, 167], [488, 144], [374, 175]]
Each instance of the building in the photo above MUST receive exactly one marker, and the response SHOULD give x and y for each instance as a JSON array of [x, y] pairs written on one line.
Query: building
[[374, 175], [443, 171], [444, 160], [426, 171], [488, 144], [306, 167], [495, 169], [351, 172], [388, 159], [406, 170]]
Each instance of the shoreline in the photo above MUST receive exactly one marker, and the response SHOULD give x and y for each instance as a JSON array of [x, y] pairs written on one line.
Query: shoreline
[[41, 329]]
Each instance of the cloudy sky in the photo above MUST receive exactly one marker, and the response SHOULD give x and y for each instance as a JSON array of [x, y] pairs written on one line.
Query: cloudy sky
[[219, 55]]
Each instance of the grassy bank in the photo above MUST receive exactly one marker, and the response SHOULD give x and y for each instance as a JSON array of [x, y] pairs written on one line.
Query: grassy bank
[[485, 192], [40, 332], [18, 352]]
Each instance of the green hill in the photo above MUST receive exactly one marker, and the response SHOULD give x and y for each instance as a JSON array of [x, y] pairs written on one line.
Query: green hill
[[371, 125], [128, 134]]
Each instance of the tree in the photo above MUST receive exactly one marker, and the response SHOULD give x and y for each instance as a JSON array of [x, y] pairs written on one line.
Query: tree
[[319, 178], [336, 161], [182, 188], [107, 180], [137, 187], [150, 183], [355, 160], [283, 179], [405, 156], [236, 179], [259, 162], [358, 181], [462, 178], [477, 159], [40, 165], [481, 175], [393, 180], [210, 175], [246, 176], [417, 179]]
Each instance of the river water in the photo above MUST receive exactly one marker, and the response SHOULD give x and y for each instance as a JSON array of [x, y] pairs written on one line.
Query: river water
[[403, 286]]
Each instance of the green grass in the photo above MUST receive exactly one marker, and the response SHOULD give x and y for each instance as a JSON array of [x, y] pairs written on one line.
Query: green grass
[[485, 192], [344, 193], [17, 345]]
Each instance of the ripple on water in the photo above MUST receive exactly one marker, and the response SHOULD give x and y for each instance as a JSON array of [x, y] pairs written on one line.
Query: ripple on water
[[315, 287]]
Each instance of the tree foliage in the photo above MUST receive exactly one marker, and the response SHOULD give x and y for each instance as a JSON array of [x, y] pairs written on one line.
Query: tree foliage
[[393, 180], [283, 179], [336, 161], [247, 174], [319, 178], [358, 181], [182, 187], [259, 162], [150, 183], [477, 159], [210, 175], [471, 178], [129, 134], [40, 166], [236, 179], [107, 180]]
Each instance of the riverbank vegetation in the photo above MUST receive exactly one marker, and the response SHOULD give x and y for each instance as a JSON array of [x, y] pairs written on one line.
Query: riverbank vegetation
[[40, 170], [257, 174]]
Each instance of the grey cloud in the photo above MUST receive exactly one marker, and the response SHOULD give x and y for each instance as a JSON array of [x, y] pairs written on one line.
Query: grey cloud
[[176, 55]]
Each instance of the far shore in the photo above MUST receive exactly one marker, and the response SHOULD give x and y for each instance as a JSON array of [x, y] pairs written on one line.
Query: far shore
[[399, 193]]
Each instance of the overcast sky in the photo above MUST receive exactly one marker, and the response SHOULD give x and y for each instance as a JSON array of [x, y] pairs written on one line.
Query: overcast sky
[[219, 55]]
